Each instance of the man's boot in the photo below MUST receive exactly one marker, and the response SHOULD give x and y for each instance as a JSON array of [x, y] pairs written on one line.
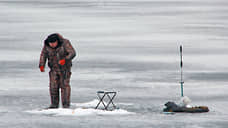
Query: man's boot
[[54, 93], [65, 95], [54, 102]]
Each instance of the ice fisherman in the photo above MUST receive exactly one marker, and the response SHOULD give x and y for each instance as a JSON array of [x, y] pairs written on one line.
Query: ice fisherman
[[59, 53]]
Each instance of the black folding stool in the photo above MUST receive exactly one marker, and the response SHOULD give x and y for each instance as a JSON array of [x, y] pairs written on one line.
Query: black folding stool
[[101, 95]]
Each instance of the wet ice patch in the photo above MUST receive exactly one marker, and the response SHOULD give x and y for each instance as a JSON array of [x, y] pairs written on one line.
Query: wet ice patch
[[79, 112], [125, 104], [3, 110]]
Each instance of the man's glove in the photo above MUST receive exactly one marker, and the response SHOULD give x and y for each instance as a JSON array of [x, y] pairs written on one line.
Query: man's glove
[[62, 62], [42, 68]]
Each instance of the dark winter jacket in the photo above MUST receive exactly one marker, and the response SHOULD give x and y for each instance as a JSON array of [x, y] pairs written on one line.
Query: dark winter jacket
[[64, 50]]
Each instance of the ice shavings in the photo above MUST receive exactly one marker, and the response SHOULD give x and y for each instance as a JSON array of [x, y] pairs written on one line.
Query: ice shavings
[[79, 112], [93, 104], [83, 109]]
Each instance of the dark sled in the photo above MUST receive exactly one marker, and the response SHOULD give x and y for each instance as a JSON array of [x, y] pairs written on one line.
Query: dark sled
[[172, 107]]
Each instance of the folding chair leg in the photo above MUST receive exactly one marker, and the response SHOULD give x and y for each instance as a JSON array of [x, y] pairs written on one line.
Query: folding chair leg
[[110, 101], [101, 100]]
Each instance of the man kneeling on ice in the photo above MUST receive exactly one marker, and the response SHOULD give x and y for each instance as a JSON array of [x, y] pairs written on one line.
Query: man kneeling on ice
[[59, 53]]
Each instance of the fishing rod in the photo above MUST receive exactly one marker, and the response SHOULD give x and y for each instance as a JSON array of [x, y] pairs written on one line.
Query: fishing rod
[[181, 66]]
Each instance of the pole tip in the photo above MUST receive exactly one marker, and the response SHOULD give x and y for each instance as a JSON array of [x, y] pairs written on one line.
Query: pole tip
[[181, 48]]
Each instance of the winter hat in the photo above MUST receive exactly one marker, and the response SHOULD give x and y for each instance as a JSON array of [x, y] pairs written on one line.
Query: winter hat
[[52, 38]]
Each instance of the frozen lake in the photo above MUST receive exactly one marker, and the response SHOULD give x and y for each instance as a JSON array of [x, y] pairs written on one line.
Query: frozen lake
[[129, 46]]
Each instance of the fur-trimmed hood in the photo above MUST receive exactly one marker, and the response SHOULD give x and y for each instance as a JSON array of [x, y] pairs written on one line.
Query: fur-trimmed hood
[[59, 39]]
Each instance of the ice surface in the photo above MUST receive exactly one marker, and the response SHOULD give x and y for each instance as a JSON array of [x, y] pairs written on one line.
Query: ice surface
[[92, 103], [128, 46]]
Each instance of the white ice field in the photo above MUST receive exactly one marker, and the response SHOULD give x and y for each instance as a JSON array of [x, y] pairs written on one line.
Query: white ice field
[[128, 46]]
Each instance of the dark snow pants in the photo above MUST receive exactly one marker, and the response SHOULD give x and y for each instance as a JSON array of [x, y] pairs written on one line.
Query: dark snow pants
[[60, 80]]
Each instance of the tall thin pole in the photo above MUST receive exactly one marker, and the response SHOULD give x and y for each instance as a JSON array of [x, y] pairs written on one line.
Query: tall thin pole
[[181, 66]]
